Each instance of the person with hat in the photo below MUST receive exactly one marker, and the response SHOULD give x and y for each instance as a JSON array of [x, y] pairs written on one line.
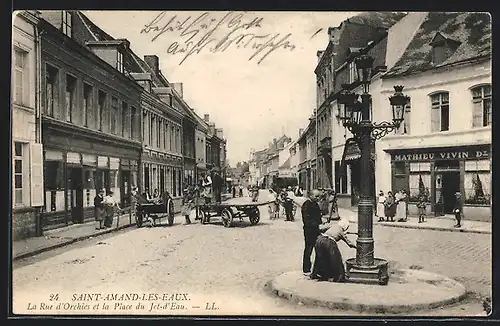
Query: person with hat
[[187, 204], [311, 219], [328, 264], [457, 210]]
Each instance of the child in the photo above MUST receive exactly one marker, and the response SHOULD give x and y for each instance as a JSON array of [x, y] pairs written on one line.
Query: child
[[187, 202], [421, 205]]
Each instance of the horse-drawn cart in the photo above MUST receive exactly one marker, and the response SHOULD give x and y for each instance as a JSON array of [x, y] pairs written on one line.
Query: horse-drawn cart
[[229, 211], [154, 210]]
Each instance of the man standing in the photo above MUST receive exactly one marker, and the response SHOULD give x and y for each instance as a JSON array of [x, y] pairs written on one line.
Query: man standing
[[99, 208], [311, 219], [458, 209], [217, 186]]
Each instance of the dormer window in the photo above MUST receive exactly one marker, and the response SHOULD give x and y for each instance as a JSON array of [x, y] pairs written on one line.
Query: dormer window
[[119, 61], [66, 23], [442, 48], [353, 76]]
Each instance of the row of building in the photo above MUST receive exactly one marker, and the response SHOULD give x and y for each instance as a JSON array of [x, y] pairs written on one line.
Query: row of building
[[443, 60], [88, 114]]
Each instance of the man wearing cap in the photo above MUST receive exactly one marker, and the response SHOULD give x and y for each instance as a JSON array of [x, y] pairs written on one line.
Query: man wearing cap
[[311, 219]]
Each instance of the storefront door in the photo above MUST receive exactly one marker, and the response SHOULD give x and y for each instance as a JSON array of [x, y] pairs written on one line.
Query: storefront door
[[75, 193], [125, 188], [451, 185]]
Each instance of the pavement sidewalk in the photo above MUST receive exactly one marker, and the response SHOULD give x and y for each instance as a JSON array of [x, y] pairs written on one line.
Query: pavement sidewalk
[[431, 223], [61, 237]]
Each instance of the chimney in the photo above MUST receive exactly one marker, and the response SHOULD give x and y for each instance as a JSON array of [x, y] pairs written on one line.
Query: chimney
[[206, 117], [334, 35], [220, 133], [301, 130], [319, 53], [153, 62], [178, 88]]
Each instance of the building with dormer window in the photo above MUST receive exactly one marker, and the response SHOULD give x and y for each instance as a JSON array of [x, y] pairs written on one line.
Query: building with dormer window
[[443, 60], [338, 163], [90, 119]]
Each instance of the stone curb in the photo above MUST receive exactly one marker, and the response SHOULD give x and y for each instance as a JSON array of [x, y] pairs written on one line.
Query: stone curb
[[364, 308], [68, 242], [435, 228]]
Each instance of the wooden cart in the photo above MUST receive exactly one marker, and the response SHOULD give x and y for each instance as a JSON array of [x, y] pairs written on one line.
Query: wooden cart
[[154, 210], [230, 211]]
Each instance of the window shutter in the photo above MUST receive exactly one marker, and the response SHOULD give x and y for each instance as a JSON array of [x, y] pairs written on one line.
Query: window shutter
[[435, 121], [36, 173]]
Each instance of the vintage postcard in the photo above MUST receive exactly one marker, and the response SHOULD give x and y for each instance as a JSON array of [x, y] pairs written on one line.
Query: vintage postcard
[[227, 163]]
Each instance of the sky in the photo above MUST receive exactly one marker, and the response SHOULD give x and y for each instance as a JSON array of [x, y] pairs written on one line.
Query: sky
[[252, 72]]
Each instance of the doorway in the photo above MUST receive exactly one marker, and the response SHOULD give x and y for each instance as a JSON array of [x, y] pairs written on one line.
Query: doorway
[[125, 188], [162, 180], [75, 185], [450, 186]]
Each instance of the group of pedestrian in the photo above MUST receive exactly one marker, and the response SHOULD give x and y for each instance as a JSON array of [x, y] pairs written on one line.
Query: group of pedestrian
[[323, 238], [105, 206], [392, 206]]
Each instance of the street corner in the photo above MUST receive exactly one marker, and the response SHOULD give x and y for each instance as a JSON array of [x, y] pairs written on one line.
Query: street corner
[[407, 291]]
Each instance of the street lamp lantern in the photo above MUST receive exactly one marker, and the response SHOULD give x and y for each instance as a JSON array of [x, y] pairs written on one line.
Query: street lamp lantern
[[346, 101], [398, 103], [364, 68], [355, 116]]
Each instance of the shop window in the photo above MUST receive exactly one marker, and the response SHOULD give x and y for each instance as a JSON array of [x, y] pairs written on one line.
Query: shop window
[[481, 101], [440, 112], [477, 182], [399, 168], [419, 181], [51, 90], [70, 97], [20, 76], [54, 175], [89, 180], [113, 179]]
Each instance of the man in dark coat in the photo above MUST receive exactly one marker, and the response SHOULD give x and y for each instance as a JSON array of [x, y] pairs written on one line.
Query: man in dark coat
[[311, 219], [99, 207], [457, 210], [217, 184]]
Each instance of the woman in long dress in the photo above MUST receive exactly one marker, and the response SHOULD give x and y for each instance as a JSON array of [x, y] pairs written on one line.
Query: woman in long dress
[[401, 206], [328, 264], [390, 207], [380, 206]]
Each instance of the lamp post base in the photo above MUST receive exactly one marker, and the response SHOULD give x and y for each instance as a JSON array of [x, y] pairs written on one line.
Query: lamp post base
[[374, 274]]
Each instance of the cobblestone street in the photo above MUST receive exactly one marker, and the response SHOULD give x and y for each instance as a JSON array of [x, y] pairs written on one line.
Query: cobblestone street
[[232, 266]]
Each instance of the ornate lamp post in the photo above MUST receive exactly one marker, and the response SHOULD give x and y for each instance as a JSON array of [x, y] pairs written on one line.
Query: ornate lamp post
[[356, 117]]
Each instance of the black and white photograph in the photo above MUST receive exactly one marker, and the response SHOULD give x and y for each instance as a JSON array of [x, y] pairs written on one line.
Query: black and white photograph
[[251, 163]]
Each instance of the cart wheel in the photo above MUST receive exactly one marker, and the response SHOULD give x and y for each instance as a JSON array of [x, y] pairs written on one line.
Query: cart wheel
[[170, 213], [227, 218], [138, 219], [254, 216]]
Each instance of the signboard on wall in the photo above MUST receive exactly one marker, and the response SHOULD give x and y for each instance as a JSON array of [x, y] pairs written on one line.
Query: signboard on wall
[[453, 153]]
